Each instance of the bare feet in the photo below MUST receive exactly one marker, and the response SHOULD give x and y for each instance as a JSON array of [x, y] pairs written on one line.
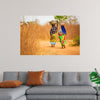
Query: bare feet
[[52, 45], [63, 46]]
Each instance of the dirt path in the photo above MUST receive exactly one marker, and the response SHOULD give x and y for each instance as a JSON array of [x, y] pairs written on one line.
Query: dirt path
[[46, 49]]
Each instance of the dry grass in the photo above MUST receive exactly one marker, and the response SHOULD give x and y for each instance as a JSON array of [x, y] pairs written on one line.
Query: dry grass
[[29, 42], [72, 31], [31, 34]]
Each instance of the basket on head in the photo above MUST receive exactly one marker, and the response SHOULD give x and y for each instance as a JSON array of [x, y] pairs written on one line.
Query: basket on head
[[53, 22], [62, 22]]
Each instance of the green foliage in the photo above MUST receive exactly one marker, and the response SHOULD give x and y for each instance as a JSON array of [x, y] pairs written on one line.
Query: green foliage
[[76, 41], [61, 18], [94, 77], [30, 22]]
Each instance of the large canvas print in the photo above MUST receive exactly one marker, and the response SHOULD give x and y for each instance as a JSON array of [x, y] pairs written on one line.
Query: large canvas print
[[50, 35]]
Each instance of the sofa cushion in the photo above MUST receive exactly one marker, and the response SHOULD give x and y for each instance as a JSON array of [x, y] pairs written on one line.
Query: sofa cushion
[[10, 76], [61, 97], [54, 78], [53, 90], [24, 75], [76, 78], [98, 98], [10, 84], [12, 93], [35, 78], [22, 98]]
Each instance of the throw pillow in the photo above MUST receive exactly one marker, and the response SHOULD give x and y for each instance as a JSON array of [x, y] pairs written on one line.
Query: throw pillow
[[10, 84], [35, 78]]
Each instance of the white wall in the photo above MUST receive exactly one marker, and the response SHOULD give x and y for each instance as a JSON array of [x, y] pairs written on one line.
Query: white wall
[[10, 12]]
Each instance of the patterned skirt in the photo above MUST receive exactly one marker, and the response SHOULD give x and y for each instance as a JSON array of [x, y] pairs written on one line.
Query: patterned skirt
[[53, 39], [62, 39]]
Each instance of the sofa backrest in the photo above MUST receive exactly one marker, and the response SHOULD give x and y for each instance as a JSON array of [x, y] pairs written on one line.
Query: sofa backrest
[[10, 76], [49, 78], [53, 78], [76, 78], [22, 76]]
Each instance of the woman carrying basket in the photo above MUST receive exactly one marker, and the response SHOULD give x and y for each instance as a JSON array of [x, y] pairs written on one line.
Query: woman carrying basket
[[53, 32], [61, 34]]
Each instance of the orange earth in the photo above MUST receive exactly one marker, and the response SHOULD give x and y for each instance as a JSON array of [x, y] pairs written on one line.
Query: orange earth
[[46, 49]]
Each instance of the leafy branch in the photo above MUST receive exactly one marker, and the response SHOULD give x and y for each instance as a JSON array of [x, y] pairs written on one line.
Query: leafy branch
[[61, 18], [95, 77]]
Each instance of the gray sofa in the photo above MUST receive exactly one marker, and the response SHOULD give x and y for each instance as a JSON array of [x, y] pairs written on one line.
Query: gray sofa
[[57, 86]]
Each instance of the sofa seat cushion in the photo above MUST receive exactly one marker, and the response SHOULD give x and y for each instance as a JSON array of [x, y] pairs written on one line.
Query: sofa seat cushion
[[52, 90], [22, 98], [12, 93], [98, 98], [61, 97]]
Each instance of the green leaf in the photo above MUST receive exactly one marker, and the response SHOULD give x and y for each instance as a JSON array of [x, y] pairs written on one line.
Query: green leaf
[[98, 82], [94, 74], [94, 77]]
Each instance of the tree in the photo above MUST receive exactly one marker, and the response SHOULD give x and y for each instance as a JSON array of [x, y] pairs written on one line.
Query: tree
[[72, 20], [61, 18]]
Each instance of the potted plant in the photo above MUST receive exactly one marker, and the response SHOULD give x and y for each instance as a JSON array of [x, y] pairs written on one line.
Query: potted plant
[[95, 78]]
